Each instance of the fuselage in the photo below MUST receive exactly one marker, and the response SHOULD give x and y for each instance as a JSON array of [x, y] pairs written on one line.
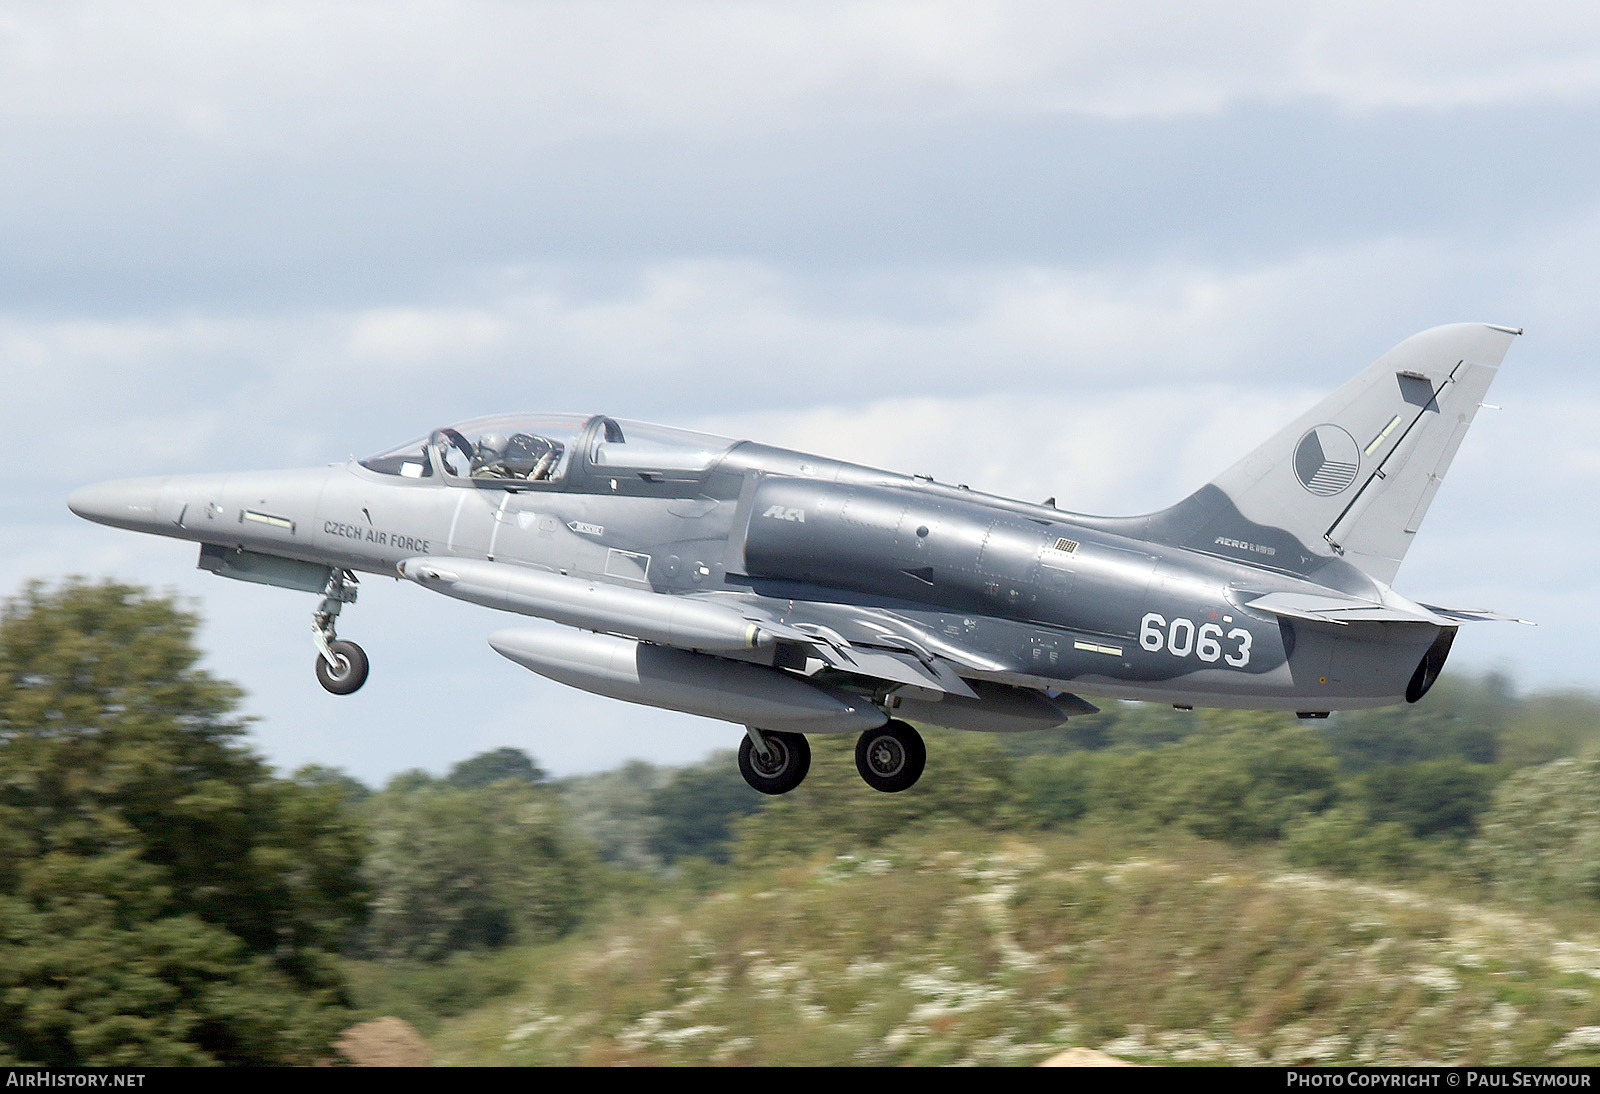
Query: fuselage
[[1006, 591]]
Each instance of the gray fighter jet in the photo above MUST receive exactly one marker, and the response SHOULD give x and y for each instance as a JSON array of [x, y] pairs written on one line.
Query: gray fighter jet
[[794, 594]]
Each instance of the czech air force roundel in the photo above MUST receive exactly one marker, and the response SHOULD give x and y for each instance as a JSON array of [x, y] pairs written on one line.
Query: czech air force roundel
[[1326, 460]]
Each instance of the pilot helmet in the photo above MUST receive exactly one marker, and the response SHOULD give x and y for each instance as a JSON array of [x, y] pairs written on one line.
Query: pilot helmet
[[491, 446]]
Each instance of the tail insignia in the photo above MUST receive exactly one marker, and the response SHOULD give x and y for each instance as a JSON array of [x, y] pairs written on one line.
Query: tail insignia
[[1326, 460]]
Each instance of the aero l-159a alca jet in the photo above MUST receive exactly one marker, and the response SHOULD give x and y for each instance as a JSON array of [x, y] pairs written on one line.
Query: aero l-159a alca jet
[[794, 594]]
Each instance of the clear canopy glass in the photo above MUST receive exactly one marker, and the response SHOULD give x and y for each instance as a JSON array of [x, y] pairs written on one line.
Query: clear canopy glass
[[409, 461], [644, 446], [504, 448], [539, 448]]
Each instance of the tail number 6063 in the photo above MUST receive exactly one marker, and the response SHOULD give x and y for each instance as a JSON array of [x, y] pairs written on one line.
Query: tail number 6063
[[1183, 637]]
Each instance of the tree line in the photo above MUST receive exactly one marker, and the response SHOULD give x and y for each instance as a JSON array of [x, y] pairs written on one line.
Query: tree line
[[166, 898]]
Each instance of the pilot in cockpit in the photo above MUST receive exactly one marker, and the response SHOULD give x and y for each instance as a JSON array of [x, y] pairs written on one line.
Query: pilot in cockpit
[[523, 456]]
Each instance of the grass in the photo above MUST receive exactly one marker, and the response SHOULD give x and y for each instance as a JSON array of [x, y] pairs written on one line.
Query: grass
[[965, 948]]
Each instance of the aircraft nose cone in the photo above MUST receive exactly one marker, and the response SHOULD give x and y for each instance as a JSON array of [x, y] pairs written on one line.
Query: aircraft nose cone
[[126, 503]]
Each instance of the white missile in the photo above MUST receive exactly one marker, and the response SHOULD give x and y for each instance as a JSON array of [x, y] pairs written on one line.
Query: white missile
[[694, 683], [639, 613]]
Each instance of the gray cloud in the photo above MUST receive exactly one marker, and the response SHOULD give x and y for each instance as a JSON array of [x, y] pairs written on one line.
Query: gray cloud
[[145, 227]]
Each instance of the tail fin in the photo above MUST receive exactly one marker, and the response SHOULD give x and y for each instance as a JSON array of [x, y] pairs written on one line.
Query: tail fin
[[1355, 474]]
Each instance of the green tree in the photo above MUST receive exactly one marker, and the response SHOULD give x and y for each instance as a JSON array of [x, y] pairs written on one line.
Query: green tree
[[1541, 838], [348, 787], [969, 778], [612, 810], [696, 811], [1345, 840], [1461, 718], [1054, 791], [163, 898], [1239, 776], [454, 868], [1432, 798], [1243, 779], [1119, 724], [500, 763], [1549, 726]]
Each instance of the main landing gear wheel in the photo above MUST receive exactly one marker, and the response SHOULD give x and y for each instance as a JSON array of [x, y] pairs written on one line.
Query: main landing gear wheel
[[774, 763], [348, 671], [891, 757]]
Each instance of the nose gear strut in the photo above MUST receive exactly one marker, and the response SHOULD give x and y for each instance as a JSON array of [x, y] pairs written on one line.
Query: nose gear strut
[[341, 666]]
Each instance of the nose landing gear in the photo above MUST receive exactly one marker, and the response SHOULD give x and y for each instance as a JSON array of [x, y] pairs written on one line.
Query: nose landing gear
[[347, 669], [341, 666]]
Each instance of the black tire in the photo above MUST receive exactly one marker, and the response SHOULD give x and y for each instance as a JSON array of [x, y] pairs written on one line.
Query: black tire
[[780, 772], [349, 674], [891, 757]]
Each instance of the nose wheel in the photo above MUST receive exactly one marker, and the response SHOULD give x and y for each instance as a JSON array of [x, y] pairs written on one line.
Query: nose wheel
[[891, 757], [348, 669], [341, 665], [774, 763]]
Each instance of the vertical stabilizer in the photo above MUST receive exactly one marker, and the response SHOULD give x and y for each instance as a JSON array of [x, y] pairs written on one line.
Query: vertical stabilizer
[[1354, 475]]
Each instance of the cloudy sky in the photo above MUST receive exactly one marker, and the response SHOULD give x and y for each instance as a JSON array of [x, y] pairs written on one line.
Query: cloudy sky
[[1083, 250]]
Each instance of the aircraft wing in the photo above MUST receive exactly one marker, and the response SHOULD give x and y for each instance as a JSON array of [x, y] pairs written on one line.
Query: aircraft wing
[[879, 644], [860, 641], [934, 673]]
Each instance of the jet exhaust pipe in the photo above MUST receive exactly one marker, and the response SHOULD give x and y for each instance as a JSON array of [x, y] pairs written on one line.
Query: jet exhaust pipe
[[694, 683], [592, 605], [1431, 665]]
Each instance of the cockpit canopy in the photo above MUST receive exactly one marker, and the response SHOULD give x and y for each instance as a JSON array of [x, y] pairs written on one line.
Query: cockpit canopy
[[543, 448], [647, 447]]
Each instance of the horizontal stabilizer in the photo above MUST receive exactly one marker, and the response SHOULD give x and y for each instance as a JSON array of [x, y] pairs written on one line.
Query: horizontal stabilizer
[[1477, 615], [1332, 607]]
